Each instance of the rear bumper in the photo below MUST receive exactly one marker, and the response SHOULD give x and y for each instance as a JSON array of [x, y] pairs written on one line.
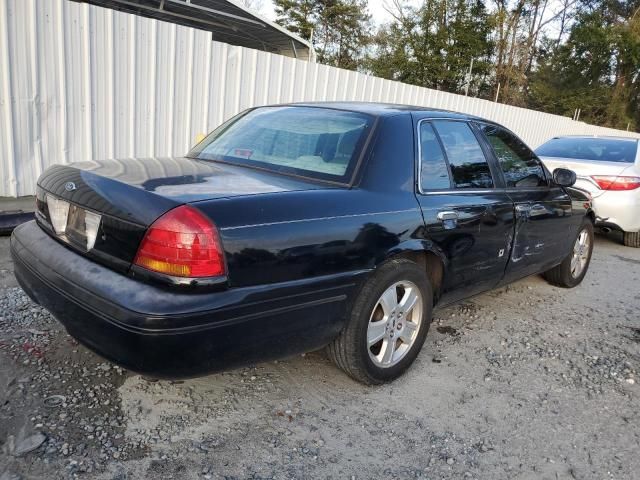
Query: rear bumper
[[618, 210], [152, 330]]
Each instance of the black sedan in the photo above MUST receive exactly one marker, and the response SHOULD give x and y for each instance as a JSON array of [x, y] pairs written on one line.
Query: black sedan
[[296, 227]]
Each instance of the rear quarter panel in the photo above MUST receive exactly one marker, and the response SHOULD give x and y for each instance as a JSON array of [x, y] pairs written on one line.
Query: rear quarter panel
[[294, 235]]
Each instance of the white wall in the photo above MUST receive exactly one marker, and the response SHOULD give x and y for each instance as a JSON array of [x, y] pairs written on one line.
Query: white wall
[[79, 82]]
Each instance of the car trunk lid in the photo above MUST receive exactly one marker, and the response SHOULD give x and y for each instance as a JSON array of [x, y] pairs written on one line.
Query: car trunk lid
[[125, 197], [585, 169]]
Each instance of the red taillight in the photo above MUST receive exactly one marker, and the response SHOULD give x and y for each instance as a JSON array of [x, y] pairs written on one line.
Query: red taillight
[[182, 243], [612, 182]]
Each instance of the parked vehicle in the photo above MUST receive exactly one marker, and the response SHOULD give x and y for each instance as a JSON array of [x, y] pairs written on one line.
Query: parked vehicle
[[295, 227], [609, 169]]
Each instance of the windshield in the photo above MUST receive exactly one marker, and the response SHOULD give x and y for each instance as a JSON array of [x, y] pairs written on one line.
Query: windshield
[[307, 141], [597, 149]]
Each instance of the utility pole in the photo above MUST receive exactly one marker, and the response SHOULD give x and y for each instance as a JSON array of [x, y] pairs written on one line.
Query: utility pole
[[466, 87]]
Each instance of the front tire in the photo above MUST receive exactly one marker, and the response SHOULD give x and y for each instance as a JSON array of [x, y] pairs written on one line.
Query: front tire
[[631, 239], [387, 324], [573, 268]]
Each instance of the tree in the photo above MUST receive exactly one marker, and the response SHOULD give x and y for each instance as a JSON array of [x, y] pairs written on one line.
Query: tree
[[552, 55], [519, 30], [597, 69], [339, 29], [432, 45], [297, 16]]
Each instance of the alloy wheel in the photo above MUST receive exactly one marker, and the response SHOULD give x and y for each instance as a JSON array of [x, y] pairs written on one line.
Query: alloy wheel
[[581, 250], [394, 323]]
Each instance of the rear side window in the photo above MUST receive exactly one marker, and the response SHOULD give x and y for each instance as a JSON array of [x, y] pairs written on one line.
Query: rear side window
[[519, 164], [308, 141], [596, 149], [434, 172], [469, 166]]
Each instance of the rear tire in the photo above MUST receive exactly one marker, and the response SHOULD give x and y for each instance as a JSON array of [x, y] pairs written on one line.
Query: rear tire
[[575, 266], [631, 239], [377, 315]]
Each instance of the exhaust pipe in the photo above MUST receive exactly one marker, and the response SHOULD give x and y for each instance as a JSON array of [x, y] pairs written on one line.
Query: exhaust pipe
[[603, 228]]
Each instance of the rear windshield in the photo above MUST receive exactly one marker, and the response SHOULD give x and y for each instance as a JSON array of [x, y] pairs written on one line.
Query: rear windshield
[[308, 141], [597, 149]]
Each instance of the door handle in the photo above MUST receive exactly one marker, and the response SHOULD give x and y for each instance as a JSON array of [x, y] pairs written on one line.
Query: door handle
[[443, 216], [449, 219]]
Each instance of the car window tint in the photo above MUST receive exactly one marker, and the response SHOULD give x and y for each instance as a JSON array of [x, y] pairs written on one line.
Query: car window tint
[[469, 166], [434, 172], [520, 166], [596, 149], [315, 142]]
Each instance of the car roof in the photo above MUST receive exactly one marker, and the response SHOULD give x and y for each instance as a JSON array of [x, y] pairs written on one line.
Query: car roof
[[387, 109]]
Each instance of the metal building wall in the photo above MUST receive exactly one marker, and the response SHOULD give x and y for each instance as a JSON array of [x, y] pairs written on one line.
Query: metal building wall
[[79, 82]]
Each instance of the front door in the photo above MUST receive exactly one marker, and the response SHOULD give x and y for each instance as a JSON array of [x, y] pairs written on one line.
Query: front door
[[542, 209], [467, 215]]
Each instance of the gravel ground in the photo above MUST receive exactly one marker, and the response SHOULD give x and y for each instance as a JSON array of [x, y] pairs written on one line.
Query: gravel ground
[[525, 382]]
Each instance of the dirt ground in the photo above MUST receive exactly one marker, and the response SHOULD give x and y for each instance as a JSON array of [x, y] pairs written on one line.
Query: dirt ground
[[525, 382]]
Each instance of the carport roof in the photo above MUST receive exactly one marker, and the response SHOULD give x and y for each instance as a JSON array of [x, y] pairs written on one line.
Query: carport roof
[[228, 21]]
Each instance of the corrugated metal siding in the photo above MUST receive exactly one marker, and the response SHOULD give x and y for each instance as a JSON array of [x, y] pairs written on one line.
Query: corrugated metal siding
[[80, 82]]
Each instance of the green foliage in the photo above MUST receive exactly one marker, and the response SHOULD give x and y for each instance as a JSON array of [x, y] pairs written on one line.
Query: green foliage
[[340, 29], [297, 16], [432, 46], [596, 70], [552, 55]]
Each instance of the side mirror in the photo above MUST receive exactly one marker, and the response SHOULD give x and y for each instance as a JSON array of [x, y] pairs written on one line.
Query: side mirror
[[564, 177]]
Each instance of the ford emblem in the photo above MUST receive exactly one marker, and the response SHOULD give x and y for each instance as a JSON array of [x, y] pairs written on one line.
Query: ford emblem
[[69, 186]]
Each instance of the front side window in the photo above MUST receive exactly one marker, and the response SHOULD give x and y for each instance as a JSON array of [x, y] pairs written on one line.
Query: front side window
[[434, 172], [519, 164], [469, 167], [308, 141]]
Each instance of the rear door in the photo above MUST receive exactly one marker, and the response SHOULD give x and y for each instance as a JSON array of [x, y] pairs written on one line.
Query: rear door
[[544, 225], [466, 211]]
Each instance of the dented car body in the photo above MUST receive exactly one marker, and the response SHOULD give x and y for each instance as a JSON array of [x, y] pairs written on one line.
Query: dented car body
[[461, 196]]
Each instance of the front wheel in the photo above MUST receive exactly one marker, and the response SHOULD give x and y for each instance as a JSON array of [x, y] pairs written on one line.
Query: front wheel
[[574, 267], [387, 325]]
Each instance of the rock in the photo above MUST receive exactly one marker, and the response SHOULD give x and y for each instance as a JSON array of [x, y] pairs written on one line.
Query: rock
[[54, 400], [450, 461], [29, 444]]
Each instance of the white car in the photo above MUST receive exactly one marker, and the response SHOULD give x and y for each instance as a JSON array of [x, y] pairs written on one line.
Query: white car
[[609, 169]]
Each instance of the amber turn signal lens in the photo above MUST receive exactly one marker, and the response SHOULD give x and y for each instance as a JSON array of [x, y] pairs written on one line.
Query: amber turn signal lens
[[182, 243]]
